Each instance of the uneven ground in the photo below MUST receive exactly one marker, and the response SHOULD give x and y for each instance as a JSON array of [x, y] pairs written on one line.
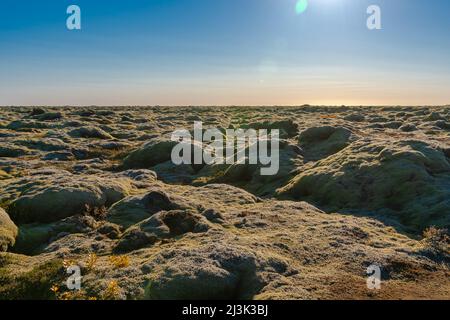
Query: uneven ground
[[95, 187]]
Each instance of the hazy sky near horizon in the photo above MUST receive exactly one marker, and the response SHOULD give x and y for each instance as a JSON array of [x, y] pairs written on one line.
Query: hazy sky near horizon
[[224, 52]]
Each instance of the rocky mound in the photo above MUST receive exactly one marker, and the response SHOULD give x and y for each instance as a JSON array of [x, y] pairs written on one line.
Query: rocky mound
[[248, 176], [162, 225], [134, 209], [48, 196], [212, 272], [287, 128], [150, 154], [320, 142], [90, 132], [409, 180], [8, 231], [32, 238]]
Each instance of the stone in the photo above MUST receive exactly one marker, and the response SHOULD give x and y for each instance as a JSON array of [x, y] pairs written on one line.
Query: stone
[[409, 180], [149, 155], [61, 195], [320, 142], [8, 231], [90, 132]]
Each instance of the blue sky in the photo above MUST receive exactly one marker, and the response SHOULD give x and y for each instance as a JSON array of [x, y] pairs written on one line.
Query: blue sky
[[224, 52]]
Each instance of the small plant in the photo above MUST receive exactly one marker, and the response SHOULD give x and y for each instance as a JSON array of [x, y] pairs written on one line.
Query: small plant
[[98, 213], [55, 290], [91, 261], [437, 240], [68, 263], [119, 261], [70, 295], [74, 295], [35, 284], [112, 291]]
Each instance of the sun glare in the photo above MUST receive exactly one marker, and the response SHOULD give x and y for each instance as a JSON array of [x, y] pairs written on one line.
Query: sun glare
[[301, 6]]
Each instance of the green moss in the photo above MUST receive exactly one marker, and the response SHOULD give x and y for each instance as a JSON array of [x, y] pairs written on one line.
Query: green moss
[[31, 285], [8, 258], [4, 203], [149, 155], [32, 236]]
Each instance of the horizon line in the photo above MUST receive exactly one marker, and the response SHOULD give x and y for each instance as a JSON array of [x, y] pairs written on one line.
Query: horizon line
[[226, 105]]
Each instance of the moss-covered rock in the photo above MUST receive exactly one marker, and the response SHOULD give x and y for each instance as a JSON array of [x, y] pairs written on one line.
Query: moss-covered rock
[[51, 197], [48, 116], [150, 154], [32, 237], [210, 272], [11, 151], [409, 180], [164, 224], [249, 177], [90, 133], [287, 128], [8, 231], [320, 142], [134, 209]]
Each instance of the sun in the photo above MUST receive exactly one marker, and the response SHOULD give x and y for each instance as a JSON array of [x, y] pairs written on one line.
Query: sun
[[301, 6]]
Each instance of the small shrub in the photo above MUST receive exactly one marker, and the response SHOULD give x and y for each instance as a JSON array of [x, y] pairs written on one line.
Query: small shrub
[[54, 289], [436, 240], [119, 261], [70, 295], [112, 291], [91, 261], [68, 263]]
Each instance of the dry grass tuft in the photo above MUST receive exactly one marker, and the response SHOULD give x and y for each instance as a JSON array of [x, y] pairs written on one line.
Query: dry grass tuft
[[119, 261]]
